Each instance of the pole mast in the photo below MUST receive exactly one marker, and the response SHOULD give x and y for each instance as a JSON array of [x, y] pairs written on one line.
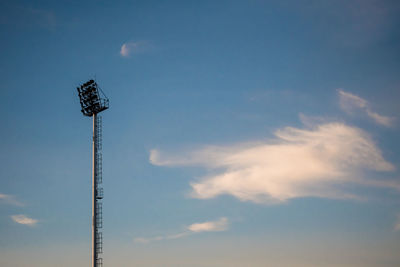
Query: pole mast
[[94, 193], [97, 193], [92, 103]]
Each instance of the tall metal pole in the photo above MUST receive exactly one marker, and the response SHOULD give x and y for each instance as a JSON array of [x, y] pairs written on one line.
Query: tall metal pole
[[92, 103], [94, 193]]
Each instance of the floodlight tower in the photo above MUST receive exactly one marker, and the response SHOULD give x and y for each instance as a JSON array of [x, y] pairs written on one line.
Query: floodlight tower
[[93, 103]]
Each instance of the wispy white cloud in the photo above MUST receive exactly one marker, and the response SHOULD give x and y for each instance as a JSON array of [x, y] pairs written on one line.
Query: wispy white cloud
[[316, 162], [222, 224], [10, 199], [383, 120], [22, 219], [213, 226], [129, 48], [351, 103]]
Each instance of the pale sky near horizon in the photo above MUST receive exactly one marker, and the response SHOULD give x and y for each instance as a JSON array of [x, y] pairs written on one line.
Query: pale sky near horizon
[[240, 133]]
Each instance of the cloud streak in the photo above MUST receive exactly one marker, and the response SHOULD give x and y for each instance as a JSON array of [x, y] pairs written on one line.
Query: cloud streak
[[214, 226], [316, 162], [129, 48], [10, 199], [351, 103], [22, 219], [222, 224]]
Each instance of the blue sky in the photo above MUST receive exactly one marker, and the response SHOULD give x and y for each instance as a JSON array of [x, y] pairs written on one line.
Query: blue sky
[[240, 133]]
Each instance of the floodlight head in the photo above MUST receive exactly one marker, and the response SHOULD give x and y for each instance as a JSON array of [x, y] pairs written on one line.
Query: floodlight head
[[91, 100]]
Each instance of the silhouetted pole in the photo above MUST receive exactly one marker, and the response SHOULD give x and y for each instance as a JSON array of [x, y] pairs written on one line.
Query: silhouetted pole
[[92, 103], [94, 193]]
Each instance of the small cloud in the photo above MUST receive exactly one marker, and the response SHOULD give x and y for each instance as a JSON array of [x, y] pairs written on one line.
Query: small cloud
[[212, 226], [383, 120], [351, 103], [22, 219], [144, 240], [10, 200], [129, 48]]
